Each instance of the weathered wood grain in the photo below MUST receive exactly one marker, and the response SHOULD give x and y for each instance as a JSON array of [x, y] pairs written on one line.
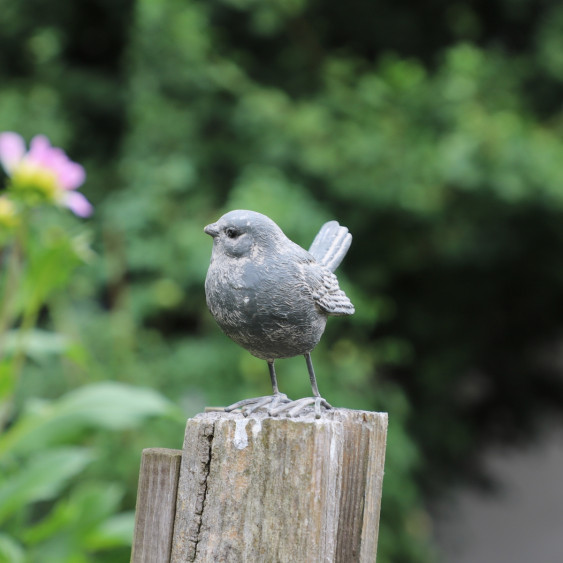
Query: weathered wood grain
[[156, 505], [263, 489]]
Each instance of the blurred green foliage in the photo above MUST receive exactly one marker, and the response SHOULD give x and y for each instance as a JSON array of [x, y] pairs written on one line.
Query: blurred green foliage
[[433, 131]]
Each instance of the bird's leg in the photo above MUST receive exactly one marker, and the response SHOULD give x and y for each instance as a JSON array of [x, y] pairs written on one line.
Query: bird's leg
[[277, 397], [293, 408], [273, 377], [318, 399], [271, 401], [312, 377]]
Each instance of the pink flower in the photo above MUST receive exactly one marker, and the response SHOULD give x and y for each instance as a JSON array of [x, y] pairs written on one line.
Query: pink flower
[[44, 173]]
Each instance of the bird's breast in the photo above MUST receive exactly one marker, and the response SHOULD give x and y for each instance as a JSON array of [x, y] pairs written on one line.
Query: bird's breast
[[264, 307]]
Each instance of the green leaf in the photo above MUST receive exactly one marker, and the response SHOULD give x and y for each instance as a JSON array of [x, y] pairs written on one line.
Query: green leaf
[[37, 343], [108, 405], [41, 478], [113, 405], [116, 531], [7, 381], [85, 508], [52, 259], [10, 550]]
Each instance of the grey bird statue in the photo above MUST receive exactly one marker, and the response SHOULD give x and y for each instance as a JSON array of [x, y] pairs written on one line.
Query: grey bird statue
[[273, 298]]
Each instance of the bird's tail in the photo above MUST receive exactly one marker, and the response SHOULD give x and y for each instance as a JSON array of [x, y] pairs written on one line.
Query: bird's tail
[[331, 245]]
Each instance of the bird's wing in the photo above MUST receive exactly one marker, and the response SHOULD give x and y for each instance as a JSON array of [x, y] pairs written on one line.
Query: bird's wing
[[327, 293]]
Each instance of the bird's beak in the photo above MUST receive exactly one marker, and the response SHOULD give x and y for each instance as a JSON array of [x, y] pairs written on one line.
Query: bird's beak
[[212, 230]]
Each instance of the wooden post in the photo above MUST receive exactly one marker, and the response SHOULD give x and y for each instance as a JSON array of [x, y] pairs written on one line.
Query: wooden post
[[263, 489], [156, 505]]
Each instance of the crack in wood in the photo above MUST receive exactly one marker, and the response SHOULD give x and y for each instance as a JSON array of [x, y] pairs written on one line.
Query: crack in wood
[[205, 461]]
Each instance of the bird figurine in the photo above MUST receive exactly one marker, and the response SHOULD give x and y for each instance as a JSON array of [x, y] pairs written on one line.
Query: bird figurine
[[273, 298]]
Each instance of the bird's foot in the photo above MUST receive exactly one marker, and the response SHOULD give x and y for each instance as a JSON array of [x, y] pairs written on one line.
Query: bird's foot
[[294, 408], [249, 406]]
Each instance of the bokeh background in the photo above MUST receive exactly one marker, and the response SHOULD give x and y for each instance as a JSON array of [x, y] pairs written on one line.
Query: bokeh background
[[433, 130]]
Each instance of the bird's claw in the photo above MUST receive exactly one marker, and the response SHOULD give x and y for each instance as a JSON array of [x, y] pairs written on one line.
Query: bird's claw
[[294, 408], [280, 404], [249, 406]]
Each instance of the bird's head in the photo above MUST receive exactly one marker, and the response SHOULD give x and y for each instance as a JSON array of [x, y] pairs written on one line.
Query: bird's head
[[241, 232]]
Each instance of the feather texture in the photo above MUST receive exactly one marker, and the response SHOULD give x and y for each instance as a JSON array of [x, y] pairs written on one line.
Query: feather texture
[[330, 298], [331, 245]]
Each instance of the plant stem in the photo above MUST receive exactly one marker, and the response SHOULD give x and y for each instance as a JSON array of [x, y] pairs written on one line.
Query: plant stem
[[13, 276], [8, 309]]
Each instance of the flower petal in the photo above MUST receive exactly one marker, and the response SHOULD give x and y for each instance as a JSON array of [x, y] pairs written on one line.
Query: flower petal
[[40, 150], [78, 204], [71, 175], [12, 150]]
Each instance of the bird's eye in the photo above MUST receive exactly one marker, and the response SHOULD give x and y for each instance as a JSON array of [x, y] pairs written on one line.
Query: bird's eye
[[232, 233]]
